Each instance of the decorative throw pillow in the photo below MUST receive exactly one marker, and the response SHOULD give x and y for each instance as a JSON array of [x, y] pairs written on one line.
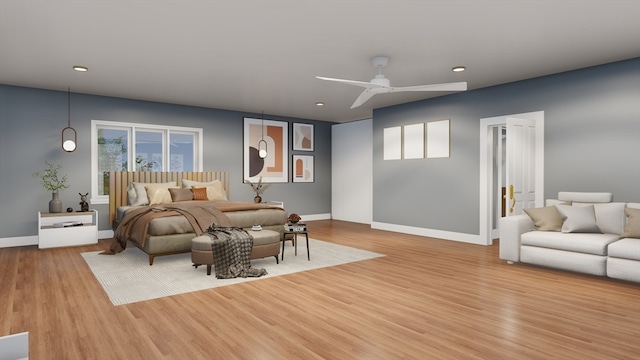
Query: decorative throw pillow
[[610, 217], [216, 192], [199, 193], [578, 219], [632, 230], [137, 192], [181, 194], [545, 218], [158, 194]]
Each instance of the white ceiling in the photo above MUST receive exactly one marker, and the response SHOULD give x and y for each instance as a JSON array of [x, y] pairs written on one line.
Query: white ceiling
[[255, 56]]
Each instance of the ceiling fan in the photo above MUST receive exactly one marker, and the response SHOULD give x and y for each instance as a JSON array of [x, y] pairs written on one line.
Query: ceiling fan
[[382, 85]]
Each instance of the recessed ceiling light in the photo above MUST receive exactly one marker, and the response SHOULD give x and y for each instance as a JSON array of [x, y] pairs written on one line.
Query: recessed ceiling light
[[459, 69], [80, 68], [319, 103]]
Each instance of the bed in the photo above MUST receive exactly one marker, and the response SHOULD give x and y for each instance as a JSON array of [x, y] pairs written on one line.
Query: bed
[[161, 212]]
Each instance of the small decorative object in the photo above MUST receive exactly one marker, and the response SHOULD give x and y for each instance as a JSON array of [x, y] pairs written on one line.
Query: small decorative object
[[69, 209], [84, 205], [294, 218], [258, 188], [52, 181]]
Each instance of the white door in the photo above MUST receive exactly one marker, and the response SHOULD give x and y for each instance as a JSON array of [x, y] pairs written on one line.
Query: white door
[[521, 165]]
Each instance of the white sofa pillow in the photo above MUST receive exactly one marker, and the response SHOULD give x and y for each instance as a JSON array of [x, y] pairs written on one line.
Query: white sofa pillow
[[610, 217], [578, 219]]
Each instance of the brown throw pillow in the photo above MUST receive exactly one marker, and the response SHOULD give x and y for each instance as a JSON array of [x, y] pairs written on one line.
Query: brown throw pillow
[[545, 218], [181, 194], [199, 193], [632, 229]]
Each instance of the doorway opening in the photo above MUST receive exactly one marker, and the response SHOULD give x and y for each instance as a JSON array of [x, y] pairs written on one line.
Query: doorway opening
[[495, 184]]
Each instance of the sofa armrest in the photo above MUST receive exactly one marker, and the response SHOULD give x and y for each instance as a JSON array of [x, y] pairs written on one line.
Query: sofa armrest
[[511, 227]]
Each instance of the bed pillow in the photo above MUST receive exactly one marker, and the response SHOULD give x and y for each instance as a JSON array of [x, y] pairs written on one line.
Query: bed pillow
[[188, 184], [138, 194], [215, 191], [180, 194], [199, 193], [578, 219], [545, 218], [632, 229], [159, 194]]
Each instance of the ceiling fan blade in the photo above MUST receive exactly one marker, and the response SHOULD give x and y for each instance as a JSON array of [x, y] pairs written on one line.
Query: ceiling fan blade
[[364, 96], [456, 86], [364, 84]]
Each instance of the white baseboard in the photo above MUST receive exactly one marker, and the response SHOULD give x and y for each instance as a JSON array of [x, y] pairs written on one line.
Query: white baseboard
[[440, 234], [312, 217], [18, 241]]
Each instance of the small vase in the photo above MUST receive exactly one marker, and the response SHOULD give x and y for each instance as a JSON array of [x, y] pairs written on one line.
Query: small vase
[[257, 199], [55, 205]]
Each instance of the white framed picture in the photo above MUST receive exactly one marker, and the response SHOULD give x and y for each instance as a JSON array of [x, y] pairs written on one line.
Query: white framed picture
[[303, 168], [303, 137]]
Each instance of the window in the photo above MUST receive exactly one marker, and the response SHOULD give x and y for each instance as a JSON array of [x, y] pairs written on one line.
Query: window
[[117, 146]]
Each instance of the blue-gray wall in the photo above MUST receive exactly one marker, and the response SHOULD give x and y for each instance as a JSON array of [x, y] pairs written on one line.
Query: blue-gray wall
[[592, 143], [31, 121]]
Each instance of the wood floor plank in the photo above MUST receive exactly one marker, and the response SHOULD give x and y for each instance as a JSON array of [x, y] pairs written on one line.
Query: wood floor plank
[[425, 299]]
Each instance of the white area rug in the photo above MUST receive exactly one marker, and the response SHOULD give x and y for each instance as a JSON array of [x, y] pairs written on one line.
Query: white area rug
[[128, 278]]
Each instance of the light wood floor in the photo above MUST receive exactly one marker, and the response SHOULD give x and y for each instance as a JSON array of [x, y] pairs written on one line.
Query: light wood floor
[[426, 299]]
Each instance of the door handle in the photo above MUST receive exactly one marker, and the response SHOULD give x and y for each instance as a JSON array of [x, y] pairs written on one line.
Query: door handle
[[512, 197]]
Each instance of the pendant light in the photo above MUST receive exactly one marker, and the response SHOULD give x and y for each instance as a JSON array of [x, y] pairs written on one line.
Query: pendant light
[[69, 145], [262, 152]]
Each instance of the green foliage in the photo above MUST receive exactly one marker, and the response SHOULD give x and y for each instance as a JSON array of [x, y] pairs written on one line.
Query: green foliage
[[50, 178]]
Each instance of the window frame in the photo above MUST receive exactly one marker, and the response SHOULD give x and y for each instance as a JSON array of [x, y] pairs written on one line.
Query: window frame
[[131, 128]]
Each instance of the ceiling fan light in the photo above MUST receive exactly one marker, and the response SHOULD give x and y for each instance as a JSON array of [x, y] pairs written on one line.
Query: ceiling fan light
[[458, 69], [80, 68]]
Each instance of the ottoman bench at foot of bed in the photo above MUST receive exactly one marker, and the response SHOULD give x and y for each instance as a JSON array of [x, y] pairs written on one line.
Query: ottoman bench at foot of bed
[[265, 243]]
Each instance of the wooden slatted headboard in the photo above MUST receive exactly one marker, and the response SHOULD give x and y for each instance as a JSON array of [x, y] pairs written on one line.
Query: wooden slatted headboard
[[119, 182]]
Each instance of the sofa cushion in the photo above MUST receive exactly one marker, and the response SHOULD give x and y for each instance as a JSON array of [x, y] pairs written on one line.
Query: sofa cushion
[[632, 229], [625, 248], [545, 218], [610, 217], [578, 219], [585, 197], [588, 243]]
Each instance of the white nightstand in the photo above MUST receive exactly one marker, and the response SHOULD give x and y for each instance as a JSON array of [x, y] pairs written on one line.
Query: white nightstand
[[52, 233]]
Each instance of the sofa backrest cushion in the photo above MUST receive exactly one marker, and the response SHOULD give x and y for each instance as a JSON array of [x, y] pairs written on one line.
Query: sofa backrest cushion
[[585, 197]]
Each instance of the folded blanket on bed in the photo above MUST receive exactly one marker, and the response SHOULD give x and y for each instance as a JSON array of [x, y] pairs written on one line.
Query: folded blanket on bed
[[231, 248]]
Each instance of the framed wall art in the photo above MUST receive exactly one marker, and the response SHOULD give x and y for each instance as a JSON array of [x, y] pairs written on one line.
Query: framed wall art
[[303, 168], [438, 139], [273, 137], [303, 137]]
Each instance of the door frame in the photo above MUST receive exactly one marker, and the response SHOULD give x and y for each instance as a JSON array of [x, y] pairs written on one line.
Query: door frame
[[486, 156]]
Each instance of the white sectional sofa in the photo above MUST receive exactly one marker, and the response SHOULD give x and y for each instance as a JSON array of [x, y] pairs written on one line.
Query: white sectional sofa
[[582, 232]]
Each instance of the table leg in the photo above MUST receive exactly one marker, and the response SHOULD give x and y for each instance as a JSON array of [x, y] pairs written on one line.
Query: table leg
[[284, 240], [308, 256]]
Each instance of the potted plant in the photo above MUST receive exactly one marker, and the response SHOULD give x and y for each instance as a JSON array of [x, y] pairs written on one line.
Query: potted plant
[[52, 181], [258, 188]]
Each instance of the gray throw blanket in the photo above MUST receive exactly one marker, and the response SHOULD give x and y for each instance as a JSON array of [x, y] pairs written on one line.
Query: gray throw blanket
[[231, 248]]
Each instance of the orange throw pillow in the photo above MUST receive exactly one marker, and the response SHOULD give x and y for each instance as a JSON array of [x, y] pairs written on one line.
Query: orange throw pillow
[[199, 193]]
